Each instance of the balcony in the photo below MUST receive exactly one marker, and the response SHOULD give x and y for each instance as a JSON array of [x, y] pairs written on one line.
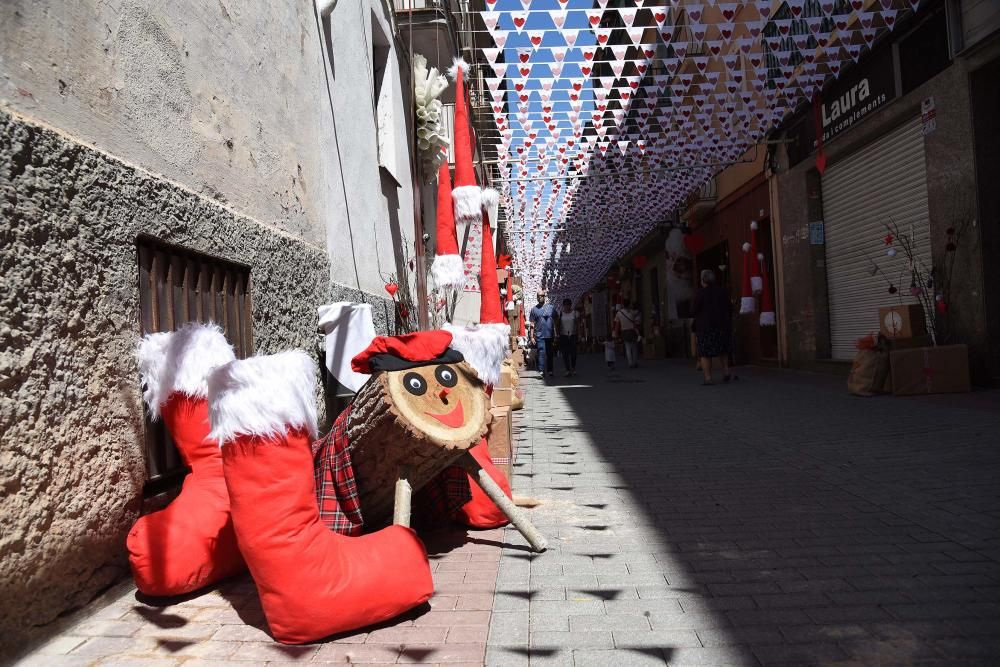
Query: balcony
[[433, 28], [701, 202]]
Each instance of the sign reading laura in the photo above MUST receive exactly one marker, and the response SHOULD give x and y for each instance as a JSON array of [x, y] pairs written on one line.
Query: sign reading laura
[[849, 107], [860, 91]]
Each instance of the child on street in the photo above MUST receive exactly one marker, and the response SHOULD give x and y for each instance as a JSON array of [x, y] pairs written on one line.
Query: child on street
[[609, 353]]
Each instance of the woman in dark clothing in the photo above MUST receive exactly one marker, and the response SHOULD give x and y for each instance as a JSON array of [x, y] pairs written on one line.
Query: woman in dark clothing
[[712, 314]]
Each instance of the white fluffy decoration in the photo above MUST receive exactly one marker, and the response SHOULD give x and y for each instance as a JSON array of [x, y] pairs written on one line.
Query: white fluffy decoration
[[432, 138], [448, 271], [458, 64], [746, 247], [491, 202], [748, 304], [180, 361], [484, 347], [263, 396], [768, 319], [753, 225], [756, 284], [468, 201]]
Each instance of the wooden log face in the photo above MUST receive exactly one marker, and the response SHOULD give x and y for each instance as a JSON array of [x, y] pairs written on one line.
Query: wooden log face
[[444, 401]]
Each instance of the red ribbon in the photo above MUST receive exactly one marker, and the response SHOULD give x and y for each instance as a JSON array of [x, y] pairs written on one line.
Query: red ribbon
[[818, 115]]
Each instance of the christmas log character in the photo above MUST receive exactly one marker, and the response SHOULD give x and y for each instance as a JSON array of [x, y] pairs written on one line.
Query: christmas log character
[[422, 410]]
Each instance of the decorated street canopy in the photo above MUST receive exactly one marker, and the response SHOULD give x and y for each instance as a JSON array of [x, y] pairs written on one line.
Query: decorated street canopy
[[611, 113]]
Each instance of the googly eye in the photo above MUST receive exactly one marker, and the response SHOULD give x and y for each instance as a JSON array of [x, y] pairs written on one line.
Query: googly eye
[[415, 384], [446, 375]]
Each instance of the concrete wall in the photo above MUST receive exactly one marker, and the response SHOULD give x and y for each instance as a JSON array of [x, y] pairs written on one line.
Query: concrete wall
[[245, 130], [951, 186], [254, 104], [72, 464]]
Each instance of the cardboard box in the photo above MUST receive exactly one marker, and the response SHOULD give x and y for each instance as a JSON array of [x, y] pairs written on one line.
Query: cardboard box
[[909, 343], [930, 370], [502, 398], [500, 440], [506, 378], [906, 321], [518, 358]]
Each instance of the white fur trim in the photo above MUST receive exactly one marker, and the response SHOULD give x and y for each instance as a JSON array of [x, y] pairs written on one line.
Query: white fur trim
[[756, 284], [263, 396], [484, 347], [768, 319], [746, 247], [458, 64], [490, 197], [448, 271], [748, 304], [180, 361], [753, 224], [468, 202]]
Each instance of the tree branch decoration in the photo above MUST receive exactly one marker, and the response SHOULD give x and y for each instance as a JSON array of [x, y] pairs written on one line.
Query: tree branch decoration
[[929, 285], [432, 143]]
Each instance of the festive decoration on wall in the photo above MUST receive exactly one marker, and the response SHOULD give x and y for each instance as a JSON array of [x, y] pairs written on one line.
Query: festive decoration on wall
[[757, 258], [446, 269], [607, 118], [432, 141]]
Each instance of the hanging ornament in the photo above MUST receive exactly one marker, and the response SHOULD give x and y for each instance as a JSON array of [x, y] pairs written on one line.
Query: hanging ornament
[[391, 288], [892, 289], [891, 252]]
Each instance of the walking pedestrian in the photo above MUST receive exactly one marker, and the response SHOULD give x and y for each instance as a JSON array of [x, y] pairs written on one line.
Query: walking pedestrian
[[712, 314], [568, 328], [609, 353], [543, 323], [628, 324]]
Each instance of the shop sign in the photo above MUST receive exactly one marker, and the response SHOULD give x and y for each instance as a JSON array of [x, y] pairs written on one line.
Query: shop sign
[[817, 233], [861, 91], [928, 115]]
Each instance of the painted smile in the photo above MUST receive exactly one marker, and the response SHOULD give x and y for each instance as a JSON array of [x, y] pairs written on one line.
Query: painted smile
[[452, 419]]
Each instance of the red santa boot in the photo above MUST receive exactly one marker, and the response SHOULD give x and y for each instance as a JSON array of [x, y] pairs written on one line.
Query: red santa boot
[[191, 543], [481, 512], [312, 581]]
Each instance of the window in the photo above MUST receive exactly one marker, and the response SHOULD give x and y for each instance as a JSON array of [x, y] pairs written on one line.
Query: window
[[177, 286], [924, 52], [383, 76]]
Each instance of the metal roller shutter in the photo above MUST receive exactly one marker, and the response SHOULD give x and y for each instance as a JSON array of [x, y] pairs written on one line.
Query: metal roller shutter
[[886, 180]]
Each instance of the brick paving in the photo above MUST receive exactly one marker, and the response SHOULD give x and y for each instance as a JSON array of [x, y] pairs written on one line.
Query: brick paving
[[777, 521], [226, 626]]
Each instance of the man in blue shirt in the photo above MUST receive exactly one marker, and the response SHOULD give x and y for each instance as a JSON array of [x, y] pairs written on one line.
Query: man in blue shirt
[[543, 323]]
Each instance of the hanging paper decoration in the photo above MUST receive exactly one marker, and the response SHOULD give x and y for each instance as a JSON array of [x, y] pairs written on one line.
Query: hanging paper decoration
[[432, 141]]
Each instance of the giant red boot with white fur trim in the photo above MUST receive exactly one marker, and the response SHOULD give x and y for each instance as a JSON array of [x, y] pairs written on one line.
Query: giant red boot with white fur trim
[[191, 543], [312, 582]]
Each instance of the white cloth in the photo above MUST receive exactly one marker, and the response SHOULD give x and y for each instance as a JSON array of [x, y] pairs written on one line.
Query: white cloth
[[609, 351], [349, 330], [567, 323]]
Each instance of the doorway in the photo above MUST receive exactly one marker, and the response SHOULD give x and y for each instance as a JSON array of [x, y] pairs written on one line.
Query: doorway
[[986, 132]]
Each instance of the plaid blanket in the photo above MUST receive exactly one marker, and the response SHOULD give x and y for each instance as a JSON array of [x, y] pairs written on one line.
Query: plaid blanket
[[336, 489], [436, 503]]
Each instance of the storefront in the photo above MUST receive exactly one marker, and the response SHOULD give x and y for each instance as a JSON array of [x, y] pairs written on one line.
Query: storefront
[[898, 156]]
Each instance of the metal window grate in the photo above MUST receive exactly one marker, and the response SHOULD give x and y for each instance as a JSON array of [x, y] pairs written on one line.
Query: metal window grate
[[177, 286]]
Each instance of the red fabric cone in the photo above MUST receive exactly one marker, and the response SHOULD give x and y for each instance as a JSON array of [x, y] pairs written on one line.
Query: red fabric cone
[[490, 308], [747, 302], [767, 314], [465, 195], [755, 281], [446, 269], [521, 331]]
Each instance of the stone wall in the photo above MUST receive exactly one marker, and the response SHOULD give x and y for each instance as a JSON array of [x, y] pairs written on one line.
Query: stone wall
[[72, 465]]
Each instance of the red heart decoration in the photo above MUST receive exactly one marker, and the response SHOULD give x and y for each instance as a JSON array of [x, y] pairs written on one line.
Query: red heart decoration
[[595, 20], [660, 17], [519, 21], [519, 86], [391, 288], [536, 40], [602, 39], [586, 70], [577, 85], [523, 57]]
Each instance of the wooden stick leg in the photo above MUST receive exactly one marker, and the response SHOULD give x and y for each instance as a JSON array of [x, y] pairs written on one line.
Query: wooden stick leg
[[496, 494], [401, 508]]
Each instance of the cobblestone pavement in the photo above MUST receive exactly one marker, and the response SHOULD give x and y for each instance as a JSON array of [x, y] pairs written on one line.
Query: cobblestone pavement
[[777, 520], [226, 626]]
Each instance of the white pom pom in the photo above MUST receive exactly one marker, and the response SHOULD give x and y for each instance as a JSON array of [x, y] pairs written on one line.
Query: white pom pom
[[753, 225], [457, 65], [746, 247]]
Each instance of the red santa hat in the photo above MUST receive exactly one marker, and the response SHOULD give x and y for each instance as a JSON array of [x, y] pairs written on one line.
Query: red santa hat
[[747, 301], [397, 353], [767, 315], [447, 269], [756, 283], [487, 344], [466, 194]]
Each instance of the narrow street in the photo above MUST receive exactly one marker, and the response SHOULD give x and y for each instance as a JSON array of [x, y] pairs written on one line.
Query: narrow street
[[774, 521], [777, 520]]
